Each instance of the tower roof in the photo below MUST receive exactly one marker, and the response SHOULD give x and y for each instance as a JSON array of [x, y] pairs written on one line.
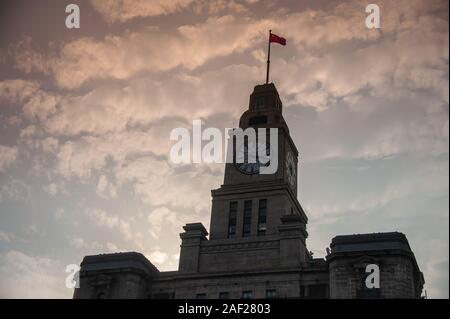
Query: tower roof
[[265, 97]]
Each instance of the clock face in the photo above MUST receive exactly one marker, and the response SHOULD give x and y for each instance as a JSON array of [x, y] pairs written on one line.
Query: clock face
[[242, 163], [291, 171]]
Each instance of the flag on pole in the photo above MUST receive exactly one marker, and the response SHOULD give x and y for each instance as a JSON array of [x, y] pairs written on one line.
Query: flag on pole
[[273, 38], [277, 39]]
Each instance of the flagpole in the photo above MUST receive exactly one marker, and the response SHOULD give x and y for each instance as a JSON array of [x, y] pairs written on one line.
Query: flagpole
[[268, 59]]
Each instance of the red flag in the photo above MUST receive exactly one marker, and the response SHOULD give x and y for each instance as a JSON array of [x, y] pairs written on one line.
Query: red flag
[[277, 39]]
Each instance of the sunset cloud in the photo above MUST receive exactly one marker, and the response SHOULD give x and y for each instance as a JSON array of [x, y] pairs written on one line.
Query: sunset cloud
[[27, 276], [124, 10], [7, 156]]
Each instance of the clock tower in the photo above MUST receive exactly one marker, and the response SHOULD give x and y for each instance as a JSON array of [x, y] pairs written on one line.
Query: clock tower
[[261, 210], [265, 111]]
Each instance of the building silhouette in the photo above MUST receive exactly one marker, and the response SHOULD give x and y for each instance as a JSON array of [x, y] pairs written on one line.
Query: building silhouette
[[257, 242]]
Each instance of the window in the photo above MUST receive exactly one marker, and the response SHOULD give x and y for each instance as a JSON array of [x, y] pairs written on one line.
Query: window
[[262, 217], [224, 295], [279, 105], [259, 103], [201, 296], [318, 291], [271, 293], [255, 120], [248, 294], [302, 291], [247, 226], [232, 218]]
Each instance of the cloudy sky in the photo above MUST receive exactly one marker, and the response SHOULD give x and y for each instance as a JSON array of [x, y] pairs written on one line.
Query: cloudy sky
[[85, 118]]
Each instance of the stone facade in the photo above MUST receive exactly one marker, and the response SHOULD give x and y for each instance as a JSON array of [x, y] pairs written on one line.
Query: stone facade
[[257, 242], [400, 276]]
